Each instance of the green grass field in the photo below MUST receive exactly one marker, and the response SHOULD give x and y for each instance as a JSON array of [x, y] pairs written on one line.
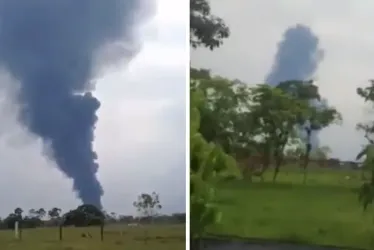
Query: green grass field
[[158, 237], [324, 211]]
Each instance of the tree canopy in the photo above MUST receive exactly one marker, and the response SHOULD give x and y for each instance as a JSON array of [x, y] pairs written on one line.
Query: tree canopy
[[260, 120], [206, 29], [209, 164]]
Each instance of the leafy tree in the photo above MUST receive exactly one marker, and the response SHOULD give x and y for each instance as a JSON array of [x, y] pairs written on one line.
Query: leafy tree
[[224, 113], [366, 194], [256, 124], [84, 215], [209, 164], [54, 213], [206, 29], [11, 219], [367, 94], [41, 213], [320, 115], [148, 205], [276, 113], [18, 212]]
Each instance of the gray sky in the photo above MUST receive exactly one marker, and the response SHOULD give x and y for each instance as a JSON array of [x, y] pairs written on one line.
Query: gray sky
[[346, 35], [140, 136]]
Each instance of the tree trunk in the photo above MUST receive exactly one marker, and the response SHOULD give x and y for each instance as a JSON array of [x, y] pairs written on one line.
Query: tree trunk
[[278, 156], [307, 154], [277, 166], [305, 166], [276, 171]]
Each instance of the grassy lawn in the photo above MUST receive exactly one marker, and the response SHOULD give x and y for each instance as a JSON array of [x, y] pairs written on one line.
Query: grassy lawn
[[158, 237], [324, 211]]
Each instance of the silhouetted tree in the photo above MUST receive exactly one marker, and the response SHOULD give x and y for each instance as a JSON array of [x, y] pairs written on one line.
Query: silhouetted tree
[[84, 215], [206, 30], [148, 205]]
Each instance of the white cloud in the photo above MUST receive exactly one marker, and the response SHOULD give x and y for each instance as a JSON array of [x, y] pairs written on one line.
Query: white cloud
[[140, 136], [345, 32]]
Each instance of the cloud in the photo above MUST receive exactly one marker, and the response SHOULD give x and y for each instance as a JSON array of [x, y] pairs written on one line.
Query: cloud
[[345, 34], [140, 135]]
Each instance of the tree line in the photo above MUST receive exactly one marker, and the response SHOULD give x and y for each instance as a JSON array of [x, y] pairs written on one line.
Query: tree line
[[147, 205]]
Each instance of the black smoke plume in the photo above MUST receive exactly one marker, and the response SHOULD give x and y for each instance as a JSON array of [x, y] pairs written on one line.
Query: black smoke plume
[[49, 46], [297, 58]]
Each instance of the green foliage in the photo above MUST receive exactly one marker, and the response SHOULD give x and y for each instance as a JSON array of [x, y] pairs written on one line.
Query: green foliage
[[148, 205], [259, 119], [223, 101], [275, 112], [229, 117], [366, 193], [367, 93], [206, 29], [54, 213], [83, 215], [209, 164], [320, 116]]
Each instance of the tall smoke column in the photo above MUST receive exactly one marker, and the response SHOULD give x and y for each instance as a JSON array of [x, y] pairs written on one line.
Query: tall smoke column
[[297, 58], [49, 47]]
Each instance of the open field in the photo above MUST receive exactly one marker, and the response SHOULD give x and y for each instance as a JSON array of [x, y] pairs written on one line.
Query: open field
[[325, 211], [158, 237]]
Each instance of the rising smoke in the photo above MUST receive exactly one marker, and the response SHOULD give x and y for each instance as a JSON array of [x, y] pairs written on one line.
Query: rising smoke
[[297, 58], [49, 46]]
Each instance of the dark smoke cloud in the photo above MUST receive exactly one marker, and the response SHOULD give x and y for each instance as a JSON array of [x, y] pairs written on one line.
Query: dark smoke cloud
[[297, 58], [49, 46]]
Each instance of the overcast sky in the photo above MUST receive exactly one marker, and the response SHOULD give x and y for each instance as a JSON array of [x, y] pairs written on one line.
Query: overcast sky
[[344, 28], [140, 136]]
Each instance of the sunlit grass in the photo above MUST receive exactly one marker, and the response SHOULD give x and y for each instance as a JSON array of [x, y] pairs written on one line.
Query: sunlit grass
[[324, 211]]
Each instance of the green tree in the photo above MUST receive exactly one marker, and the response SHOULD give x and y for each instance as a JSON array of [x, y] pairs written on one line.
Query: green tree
[[206, 29], [366, 194], [257, 124], [84, 215], [320, 115], [54, 213], [276, 114], [18, 211], [208, 165], [367, 94], [148, 205], [224, 112], [41, 213]]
